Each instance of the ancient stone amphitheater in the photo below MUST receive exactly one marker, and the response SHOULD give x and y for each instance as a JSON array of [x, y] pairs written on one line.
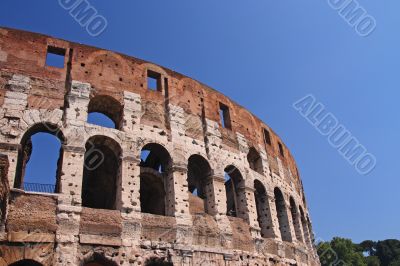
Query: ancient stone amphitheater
[[186, 176]]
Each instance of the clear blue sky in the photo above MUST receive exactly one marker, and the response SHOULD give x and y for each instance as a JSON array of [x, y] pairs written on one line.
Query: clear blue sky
[[265, 55]]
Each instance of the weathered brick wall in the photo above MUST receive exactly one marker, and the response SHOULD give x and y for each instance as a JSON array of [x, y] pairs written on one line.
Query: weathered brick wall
[[182, 116]]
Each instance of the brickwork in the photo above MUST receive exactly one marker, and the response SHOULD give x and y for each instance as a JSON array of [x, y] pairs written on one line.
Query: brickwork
[[259, 217]]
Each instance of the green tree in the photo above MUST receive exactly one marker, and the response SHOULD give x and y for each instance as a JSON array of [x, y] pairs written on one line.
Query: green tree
[[372, 261], [340, 250], [388, 252]]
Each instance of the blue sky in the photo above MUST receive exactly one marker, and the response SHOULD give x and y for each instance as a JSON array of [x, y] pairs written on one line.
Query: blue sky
[[266, 55]]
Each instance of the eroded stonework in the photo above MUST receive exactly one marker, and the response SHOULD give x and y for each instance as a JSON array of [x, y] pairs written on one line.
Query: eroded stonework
[[177, 207]]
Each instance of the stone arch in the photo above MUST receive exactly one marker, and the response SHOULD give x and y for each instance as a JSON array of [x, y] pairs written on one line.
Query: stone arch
[[282, 216], [155, 168], [97, 259], [26, 263], [156, 261], [199, 185], [263, 210], [102, 173], [255, 161], [295, 219], [235, 194], [107, 106], [25, 151]]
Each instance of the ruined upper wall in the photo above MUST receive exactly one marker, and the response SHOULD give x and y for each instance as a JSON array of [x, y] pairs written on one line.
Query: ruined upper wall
[[111, 74]]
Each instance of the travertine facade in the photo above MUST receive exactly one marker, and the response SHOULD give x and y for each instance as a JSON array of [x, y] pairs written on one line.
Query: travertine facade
[[175, 207]]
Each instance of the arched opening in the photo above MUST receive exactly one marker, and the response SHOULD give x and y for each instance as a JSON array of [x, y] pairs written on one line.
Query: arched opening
[[154, 261], [235, 200], [255, 161], [26, 263], [40, 159], [295, 219], [99, 260], [154, 169], [282, 215], [263, 212], [306, 233], [105, 111], [101, 173], [199, 171]]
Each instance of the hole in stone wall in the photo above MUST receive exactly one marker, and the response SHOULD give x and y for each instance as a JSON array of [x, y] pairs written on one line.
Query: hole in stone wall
[[267, 136], [105, 111], [153, 81], [281, 151], [225, 116], [40, 159], [155, 165], [255, 161], [101, 173], [55, 57]]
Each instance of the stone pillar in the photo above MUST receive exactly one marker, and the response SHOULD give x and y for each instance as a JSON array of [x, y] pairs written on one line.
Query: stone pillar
[[130, 201], [132, 111], [247, 209], [69, 206], [218, 197], [11, 151], [177, 202], [78, 102], [297, 226]]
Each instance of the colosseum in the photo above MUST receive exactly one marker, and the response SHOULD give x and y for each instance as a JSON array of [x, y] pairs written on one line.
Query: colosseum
[[185, 176]]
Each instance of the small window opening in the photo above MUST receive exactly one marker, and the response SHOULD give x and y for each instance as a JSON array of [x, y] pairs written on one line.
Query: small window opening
[[255, 161], [55, 57], [267, 137], [153, 80], [281, 151], [225, 116]]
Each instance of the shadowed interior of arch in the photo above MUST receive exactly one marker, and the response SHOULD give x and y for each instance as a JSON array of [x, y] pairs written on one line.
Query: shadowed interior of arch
[[197, 178], [154, 167], [26, 263]]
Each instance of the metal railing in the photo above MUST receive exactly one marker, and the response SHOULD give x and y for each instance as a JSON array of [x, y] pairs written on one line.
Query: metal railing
[[41, 188]]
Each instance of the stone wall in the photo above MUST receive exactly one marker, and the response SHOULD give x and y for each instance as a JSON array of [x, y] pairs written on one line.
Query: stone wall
[[174, 122]]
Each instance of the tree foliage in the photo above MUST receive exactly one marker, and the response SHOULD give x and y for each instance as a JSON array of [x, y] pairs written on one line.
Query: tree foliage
[[342, 251]]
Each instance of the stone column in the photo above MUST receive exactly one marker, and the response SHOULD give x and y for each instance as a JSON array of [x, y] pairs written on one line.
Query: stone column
[[218, 203], [130, 201], [78, 101], [177, 202], [69, 206], [247, 209]]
